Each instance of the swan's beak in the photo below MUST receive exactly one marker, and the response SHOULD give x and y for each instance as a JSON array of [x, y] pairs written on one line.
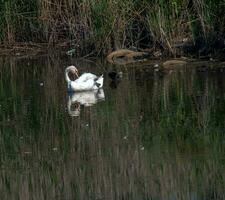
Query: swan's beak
[[76, 72]]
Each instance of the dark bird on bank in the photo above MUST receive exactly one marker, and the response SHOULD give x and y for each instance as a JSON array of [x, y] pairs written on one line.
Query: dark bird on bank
[[115, 75], [115, 78]]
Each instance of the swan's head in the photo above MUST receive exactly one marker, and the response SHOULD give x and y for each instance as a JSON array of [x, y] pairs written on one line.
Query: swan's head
[[72, 69]]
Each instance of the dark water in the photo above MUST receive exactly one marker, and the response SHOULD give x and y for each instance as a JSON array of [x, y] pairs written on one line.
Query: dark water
[[157, 135]]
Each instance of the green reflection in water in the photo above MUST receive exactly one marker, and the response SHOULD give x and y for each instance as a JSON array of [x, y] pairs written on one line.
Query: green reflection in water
[[153, 137]]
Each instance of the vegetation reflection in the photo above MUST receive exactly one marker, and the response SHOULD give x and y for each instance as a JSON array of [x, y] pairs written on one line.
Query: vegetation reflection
[[156, 136]]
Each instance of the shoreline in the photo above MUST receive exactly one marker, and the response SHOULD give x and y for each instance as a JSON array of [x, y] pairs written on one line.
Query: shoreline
[[21, 49], [30, 48]]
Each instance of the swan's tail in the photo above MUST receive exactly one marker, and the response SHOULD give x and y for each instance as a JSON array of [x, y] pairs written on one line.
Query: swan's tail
[[99, 81]]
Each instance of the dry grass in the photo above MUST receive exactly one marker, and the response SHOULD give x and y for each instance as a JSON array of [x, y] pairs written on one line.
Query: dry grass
[[100, 26]]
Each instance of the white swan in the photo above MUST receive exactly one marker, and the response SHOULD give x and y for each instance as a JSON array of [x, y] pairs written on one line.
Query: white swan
[[85, 82], [86, 98]]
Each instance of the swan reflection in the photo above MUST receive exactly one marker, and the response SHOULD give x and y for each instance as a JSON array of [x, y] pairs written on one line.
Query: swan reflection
[[85, 98]]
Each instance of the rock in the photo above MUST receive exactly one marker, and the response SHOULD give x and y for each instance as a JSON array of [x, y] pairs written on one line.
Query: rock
[[174, 63], [156, 65], [117, 54], [71, 52], [126, 55], [157, 54]]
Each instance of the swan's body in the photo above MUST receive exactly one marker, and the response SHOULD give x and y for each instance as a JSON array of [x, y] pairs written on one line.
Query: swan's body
[[85, 82], [86, 98]]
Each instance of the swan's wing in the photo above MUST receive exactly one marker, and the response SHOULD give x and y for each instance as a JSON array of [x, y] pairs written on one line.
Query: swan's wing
[[87, 81], [85, 77], [99, 81], [82, 85]]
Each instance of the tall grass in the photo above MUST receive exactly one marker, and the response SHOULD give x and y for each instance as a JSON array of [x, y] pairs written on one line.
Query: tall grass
[[100, 26]]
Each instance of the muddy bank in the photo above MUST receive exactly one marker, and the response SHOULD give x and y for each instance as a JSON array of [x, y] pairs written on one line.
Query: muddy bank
[[23, 49], [126, 56], [182, 52]]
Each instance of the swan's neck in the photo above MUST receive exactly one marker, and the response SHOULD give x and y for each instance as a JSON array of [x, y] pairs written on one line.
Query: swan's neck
[[67, 76]]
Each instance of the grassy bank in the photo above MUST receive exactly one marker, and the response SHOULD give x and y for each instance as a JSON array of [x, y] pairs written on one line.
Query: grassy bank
[[101, 26]]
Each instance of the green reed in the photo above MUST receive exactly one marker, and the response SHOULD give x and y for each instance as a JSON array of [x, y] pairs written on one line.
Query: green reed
[[18, 22], [101, 26]]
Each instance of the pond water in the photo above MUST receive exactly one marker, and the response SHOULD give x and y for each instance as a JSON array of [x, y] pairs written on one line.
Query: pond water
[[153, 135]]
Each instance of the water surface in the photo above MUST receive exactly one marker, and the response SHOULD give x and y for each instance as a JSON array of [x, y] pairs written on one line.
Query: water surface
[[154, 135]]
